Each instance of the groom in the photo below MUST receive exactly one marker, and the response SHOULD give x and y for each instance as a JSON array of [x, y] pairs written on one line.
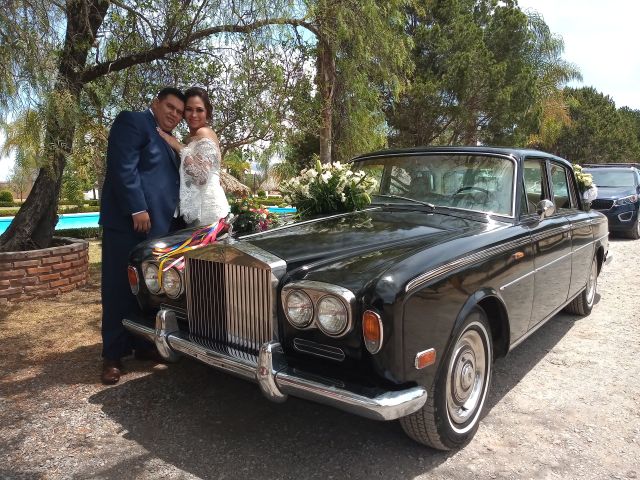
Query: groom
[[139, 200]]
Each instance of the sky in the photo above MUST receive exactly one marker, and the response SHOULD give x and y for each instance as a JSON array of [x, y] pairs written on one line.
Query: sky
[[600, 37]]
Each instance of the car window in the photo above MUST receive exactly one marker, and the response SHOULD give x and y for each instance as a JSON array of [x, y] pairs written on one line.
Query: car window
[[562, 197], [533, 184], [612, 177], [482, 183]]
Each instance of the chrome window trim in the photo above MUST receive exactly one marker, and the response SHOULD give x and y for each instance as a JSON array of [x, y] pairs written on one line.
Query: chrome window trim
[[505, 156]]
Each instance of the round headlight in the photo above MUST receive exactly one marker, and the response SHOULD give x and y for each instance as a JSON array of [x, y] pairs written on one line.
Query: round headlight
[[299, 309], [172, 283], [332, 315], [150, 274]]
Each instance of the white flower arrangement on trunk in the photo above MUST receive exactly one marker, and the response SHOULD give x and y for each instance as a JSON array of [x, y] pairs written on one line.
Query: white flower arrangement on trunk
[[328, 188], [587, 188]]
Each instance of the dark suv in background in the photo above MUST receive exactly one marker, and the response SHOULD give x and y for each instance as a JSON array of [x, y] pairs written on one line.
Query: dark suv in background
[[618, 195]]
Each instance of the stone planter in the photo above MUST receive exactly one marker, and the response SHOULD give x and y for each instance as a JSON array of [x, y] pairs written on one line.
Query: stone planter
[[44, 273]]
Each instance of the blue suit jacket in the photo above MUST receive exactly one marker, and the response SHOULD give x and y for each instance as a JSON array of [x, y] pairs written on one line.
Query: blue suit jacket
[[142, 174]]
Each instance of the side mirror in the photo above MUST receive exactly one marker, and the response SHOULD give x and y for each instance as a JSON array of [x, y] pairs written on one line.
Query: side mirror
[[545, 208]]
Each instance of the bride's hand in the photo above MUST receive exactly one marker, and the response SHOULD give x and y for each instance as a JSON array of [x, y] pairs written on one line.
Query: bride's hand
[[170, 139]]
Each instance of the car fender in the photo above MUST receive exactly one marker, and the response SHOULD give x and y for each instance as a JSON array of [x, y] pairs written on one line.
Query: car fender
[[484, 297]]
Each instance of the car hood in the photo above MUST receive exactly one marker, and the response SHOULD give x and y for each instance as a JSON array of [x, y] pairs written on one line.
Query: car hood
[[611, 193], [354, 248]]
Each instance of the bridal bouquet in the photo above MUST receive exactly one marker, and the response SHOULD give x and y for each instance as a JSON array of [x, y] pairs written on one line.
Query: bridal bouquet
[[252, 218], [328, 188]]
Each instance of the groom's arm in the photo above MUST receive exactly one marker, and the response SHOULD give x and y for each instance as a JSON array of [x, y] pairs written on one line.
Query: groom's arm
[[123, 157]]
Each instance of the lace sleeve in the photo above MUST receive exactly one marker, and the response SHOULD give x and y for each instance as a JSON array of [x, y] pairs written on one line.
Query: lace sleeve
[[200, 160]]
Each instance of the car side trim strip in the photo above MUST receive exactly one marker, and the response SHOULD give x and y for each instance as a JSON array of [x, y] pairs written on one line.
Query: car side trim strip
[[464, 261]]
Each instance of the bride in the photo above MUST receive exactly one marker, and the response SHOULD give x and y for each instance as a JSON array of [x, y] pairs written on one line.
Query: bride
[[202, 200]]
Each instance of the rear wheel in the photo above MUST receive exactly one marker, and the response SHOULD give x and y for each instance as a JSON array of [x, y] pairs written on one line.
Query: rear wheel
[[451, 415], [583, 303]]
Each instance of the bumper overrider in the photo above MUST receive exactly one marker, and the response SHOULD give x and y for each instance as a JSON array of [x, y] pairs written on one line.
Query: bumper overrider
[[276, 378]]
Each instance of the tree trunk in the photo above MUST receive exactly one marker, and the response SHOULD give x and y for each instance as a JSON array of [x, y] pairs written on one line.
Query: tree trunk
[[325, 80], [35, 222]]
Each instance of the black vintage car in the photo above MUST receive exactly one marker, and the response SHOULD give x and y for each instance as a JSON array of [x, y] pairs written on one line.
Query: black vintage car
[[397, 311], [618, 196]]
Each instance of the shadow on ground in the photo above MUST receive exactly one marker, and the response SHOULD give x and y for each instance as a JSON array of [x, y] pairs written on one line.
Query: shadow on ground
[[210, 424]]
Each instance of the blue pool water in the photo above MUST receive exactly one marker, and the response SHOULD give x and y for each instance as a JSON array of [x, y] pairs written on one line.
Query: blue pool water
[[82, 220]]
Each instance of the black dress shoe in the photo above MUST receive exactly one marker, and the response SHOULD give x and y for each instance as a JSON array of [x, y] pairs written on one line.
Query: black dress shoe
[[149, 355], [111, 371]]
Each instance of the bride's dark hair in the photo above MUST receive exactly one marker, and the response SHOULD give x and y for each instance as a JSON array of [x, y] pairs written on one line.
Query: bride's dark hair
[[203, 95]]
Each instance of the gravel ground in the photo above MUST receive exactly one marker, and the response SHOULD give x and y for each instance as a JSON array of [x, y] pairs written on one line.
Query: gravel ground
[[564, 404]]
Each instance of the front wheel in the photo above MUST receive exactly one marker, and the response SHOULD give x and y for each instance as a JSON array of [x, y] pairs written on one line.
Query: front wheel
[[451, 415]]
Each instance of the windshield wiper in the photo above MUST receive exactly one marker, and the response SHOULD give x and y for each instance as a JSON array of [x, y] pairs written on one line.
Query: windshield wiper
[[412, 200]]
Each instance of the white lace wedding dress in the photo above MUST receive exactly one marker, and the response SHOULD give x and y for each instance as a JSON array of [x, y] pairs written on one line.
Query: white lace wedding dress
[[202, 200]]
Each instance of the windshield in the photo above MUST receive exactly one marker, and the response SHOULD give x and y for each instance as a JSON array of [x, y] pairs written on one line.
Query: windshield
[[467, 181], [612, 178]]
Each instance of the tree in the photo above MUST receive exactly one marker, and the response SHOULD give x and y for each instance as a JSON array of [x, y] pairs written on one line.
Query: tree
[[598, 132], [553, 73], [24, 140], [631, 123], [479, 68], [21, 177], [100, 38], [70, 58], [361, 53]]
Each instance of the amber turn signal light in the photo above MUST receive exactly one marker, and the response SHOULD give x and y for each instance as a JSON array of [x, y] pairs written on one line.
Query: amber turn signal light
[[425, 358], [132, 273], [372, 331]]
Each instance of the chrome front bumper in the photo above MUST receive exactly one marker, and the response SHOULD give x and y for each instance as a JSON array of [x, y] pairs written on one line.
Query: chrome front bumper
[[276, 379]]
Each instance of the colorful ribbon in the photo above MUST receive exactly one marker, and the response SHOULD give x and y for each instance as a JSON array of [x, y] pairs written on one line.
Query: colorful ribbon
[[175, 253]]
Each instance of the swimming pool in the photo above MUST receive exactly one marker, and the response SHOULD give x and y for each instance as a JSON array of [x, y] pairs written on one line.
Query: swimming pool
[[84, 220]]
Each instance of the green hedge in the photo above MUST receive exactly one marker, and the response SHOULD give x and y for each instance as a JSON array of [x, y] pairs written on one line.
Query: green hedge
[[67, 203], [84, 232], [10, 212], [268, 202], [9, 204], [83, 209]]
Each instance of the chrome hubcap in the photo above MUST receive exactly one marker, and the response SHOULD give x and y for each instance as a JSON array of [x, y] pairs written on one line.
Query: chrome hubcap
[[466, 377], [592, 282]]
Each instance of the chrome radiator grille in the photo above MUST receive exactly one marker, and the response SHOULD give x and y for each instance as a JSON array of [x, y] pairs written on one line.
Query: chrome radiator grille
[[230, 305]]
